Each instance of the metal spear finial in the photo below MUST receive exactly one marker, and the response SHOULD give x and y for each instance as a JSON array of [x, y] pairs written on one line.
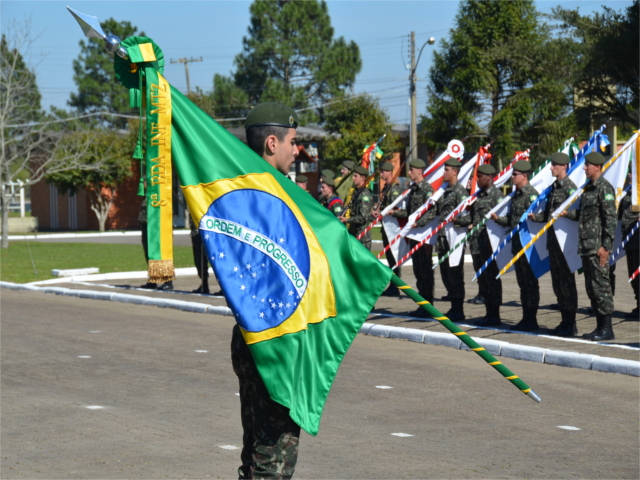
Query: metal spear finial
[[92, 29]]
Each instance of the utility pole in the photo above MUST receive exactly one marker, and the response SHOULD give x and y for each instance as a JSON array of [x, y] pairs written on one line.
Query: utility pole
[[186, 62], [413, 133]]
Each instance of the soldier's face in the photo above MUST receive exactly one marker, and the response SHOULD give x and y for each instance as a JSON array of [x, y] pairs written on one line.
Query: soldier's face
[[358, 180], [591, 170], [557, 170], [415, 174], [519, 179], [450, 174], [484, 181], [284, 152], [386, 175], [344, 171], [325, 190]]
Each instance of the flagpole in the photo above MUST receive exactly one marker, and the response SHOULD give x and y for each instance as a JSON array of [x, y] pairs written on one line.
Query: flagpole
[[554, 218], [518, 227], [631, 279], [624, 242], [465, 338]]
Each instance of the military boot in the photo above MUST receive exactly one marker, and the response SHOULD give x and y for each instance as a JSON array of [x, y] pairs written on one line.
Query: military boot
[[456, 312], [391, 291], [606, 330], [567, 327], [589, 336], [529, 321], [492, 318]]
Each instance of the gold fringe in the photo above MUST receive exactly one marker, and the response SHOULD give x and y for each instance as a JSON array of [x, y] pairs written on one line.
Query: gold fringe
[[161, 271]]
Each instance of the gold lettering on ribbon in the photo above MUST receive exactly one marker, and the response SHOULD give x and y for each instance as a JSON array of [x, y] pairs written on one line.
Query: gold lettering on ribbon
[[159, 98], [157, 203], [157, 171], [158, 134]]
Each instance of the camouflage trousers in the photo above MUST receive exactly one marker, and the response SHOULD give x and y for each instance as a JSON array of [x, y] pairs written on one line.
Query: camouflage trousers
[[423, 270], [489, 287], [270, 439], [563, 282], [597, 281], [452, 277], [527, 281]]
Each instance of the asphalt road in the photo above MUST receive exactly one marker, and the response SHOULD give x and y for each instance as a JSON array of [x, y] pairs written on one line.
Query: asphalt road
[[168, 393]]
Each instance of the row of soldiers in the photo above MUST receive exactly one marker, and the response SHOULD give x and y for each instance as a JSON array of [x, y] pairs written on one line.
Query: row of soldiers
[[597, 222]]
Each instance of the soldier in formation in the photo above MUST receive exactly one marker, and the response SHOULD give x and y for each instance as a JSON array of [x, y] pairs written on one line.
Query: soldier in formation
[[480, 246], [452, 277], [328, 197], [388, 195], [632, 248], [527, 281], [420, 192], [562, 280], [361, 205]]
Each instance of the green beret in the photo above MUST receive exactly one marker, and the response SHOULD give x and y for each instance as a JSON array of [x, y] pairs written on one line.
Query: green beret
[[361, 170], [387, 167], [326, 173], [594, 158], [348, 164], [417, 163], [271, 113], [487, 169], [560, 158], [452, 162], [301, 178], [522, 166], [329, 181]]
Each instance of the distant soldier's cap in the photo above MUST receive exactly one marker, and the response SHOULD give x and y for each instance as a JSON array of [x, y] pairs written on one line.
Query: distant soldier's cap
[[560, 158], [452, 162], [387, 167], [522, 166], [273, 114], [361, 170], [348, 164], [301, 178], [417, 163], [487, 169], [329, 181], [326, 173], [594, 158]]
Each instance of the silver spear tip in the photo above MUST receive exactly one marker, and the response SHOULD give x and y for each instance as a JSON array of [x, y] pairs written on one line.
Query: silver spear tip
[[534, 396], [90, 25]]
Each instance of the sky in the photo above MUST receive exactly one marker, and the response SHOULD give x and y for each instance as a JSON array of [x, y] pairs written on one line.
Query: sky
[[214, 30]]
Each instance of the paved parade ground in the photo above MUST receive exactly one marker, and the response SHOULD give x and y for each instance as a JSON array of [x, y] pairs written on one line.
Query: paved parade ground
[[169, 408]]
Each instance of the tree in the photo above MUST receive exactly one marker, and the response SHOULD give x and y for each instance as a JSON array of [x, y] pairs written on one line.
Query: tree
[[360, 121], [98, 89], [109, 149], [29, 139], [608, 80], [291, 56], [501, 76]]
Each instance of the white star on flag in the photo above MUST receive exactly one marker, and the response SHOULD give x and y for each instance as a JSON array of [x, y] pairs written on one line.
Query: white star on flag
[[281, 240], [288, 305], [206, 235], [254, 274], [235, 269], [281, 304], [221, 255], [248, 266], [290, 293], [242, 287], [261, 314], [262, 300]]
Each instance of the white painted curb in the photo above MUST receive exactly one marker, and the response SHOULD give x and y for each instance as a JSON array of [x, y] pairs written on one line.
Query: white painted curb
[[495, 347], [49, 236]]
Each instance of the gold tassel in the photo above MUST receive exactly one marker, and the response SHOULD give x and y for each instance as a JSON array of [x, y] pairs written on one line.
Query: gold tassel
[[161, 271]]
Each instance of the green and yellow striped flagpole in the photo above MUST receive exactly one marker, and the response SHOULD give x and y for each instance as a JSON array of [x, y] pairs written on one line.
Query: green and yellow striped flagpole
[[465, 338], [550, 223]]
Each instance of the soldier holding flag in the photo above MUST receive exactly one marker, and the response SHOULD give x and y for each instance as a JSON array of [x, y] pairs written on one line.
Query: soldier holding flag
[[562, 280]]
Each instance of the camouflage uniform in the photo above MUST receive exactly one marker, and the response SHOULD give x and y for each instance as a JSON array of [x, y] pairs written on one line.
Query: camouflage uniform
[[632, 248], [389, 195], [527, 281], [335, 205], [452, 277], [597, 217], [361, 216], [422, 262], [562, 280], [481, 250], [324, 201], [270, 439]]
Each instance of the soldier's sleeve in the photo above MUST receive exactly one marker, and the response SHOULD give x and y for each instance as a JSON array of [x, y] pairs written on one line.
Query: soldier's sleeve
[[539, 217], [503, 221], [608, 216], [575, 213], [429, 214]]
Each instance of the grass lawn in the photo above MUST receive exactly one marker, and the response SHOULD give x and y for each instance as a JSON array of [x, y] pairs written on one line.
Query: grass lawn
[[16, 266]]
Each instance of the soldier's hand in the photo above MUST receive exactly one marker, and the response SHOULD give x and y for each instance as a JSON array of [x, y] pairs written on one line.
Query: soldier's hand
[[470, 227], [342, 219], [563, 213], [530, 216], [603, 255], [494, 217]]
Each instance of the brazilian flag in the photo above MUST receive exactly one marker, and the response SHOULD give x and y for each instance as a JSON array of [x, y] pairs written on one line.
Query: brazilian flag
[[300, 287]]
